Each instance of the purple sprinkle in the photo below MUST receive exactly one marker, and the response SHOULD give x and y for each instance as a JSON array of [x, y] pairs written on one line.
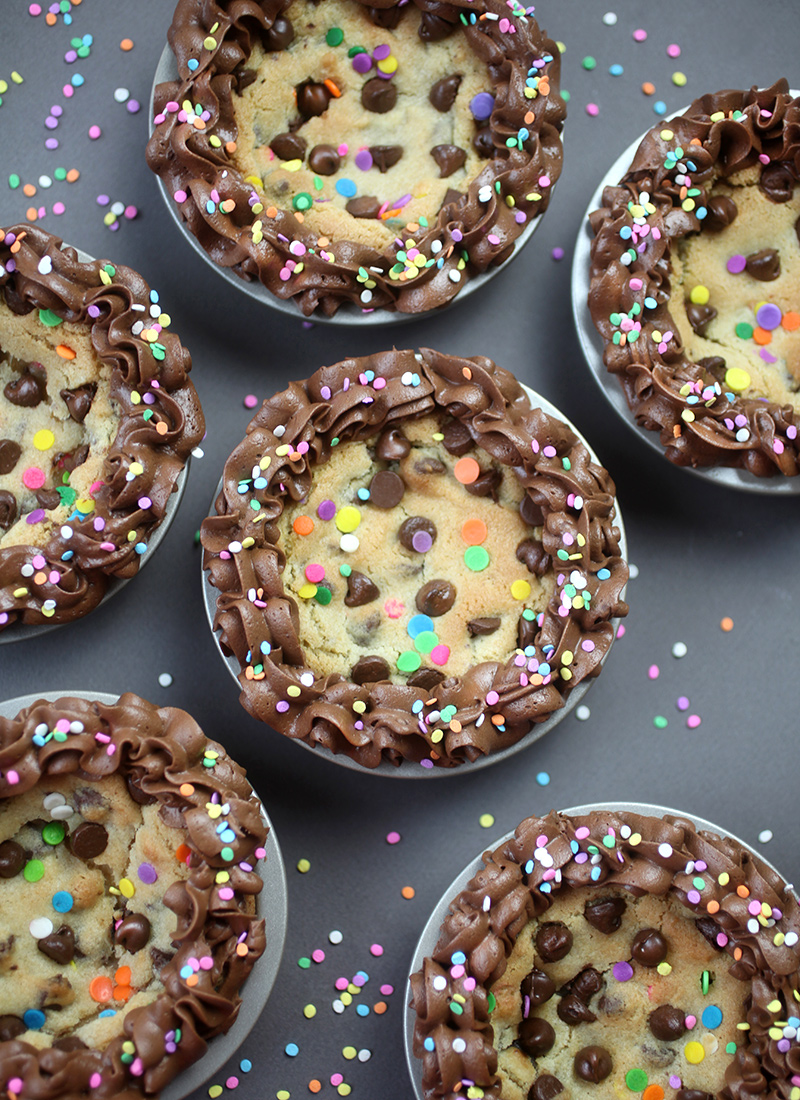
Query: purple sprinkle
[[325, 393], [426, 763], [326, 510], [70, 56], [147, 873], [133, 105], [558, 253], [682, 703], [380, 53], [767, 356], [56, 110], [736, 264], [103, 200], [384, 76], [622, 971], [364, 160], [51, 122], [51, 143], [422, 542], [145, 502], [282, 706], [362, 63], [457, 235], [93, 311], [36, 516], [769, 316], [482, 105]]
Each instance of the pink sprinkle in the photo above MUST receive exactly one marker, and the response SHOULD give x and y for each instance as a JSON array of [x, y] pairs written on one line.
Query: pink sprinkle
[[94, 134], [592, 109], [674, 1082], [137, 1067], [315, 572], [12, 777], [341, 983], [693, 721], [492, 698], [179, 195], [387, 990], [318, 956], [376, 950], [250, 401], [673, 51], [145, 503], [232, 1083], [639, 35], [336, 1079], [492, 238], [763, 158], [621, 631], [393, 838], [457, 972], [544, 181], [68, 91], [33, 478], [653, 672], [95, 1079], [581, 833], [636, 284], [226, 894], [777, 446], [36, 9], [15, 1084], [690, 1021], [342, 149], [440, 654]]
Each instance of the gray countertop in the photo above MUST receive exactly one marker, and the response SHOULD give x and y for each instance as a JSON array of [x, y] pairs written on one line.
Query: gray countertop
[[703, 552]]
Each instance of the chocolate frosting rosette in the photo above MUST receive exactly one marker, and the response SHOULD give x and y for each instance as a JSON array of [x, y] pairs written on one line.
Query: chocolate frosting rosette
[[411, 562], [342, 153], [609, 950], [695, 272], [97, 421]]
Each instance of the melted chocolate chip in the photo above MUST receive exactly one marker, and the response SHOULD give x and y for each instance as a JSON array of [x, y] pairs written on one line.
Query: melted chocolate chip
[[535, 1036], [160, 958], [133, 932], [709, 929], [363, 206], [432, 27], [482, 143], [69, 1042], [392, 445], [58, 946], [553, 941], [538, 986], [486, 484], [721, 212], [436, 598], [649, 947], [388, 18], [443, 93], [9, 455], [385, 157], [700, 317], [530, 512], [79, 400], [8, 509], [764, 265], [545, 1087], [29, 389], [378, 96], [288, 146], [413, 526], [279, 36], [593, 1064], [48, 499], [605, 914], [479, 627], [777, 182], [425, 678], [324, 160], [526, 632], [715, 365], [610, 1006], [534, 556], [457, 439], [449, 159], [10, 1028], [140, 797], [576, 995], [428, 466], [76, 458], [244, 78], [360, 590], [370, 669], [693, 1094], [312, 99], [667, 1023], [586, 984], [88, 840], [572, 1010], [386, 489], [12, 858]]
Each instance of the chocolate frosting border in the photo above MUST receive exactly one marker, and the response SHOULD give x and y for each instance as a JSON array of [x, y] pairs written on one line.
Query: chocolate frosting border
[[353, 401], [157, 750], [256, 247], [699, 426], [114, 303], [649, 855]]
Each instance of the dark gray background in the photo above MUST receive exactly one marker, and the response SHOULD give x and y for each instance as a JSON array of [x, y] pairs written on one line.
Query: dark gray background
[[703, 552]]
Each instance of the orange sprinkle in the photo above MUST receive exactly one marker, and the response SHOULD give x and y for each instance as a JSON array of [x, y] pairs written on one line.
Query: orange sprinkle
[[230, 146], [72, 175], [31, 213], [737, 953], [762, 336], [100, 989], [498, 719], [466, 470], [272, 211], [676, 430], [456, 726], [182, 852], [65, 352], [186, 789], [380, 1007], [653, 1092], [726, 624], [161, 428], [743, 891], [474, 532], [648, 88], [408, 892], [248, 673], [126, 44], [332, 88], [467, 373], [122, 992], [543, 87], [791, 321], [303, 525], [198, 123], [29, 190], [50, 19], [242, 949], [314, 1085], [123, 976], [299, 216], [529, 117], [695, 141], [192, 980], [713, 906]]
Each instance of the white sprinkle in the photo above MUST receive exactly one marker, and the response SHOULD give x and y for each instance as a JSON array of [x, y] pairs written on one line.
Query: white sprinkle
[[679, 649], [625, 831], [53, 800], [582, 713], [76, 727], [40, 927], [455, 276], [198, 452], [610, 18], [459, 1046], [791, 939], [118, 208], [45, 181], [439, 982], [349, 543], [335, 936], [61, 813], [165, 679], [279, 431], [338, 1007], [665, 850], [365, 1055], [27, 570], [765, 836], [307, 679], [121, 94], [634, 570]]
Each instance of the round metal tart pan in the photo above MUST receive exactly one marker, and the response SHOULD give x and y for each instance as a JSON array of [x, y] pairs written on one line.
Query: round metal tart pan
[[430, 933], [18, 631], [271, 906], [592, 344], [348, 314], [409, 770]]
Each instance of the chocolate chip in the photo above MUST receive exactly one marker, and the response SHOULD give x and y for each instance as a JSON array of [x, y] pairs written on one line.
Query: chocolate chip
[[392, 445], [386, 489], [658, 1055], [370, 669], [553, 941], [443, 93], [360, 590], [388, 18], [722, 210], [10, 1028], [427, 466], [432, 27], [667, 1023], [530, 512], [449, 159], [715, 365], [764, 265], [538, 986], [8, 509], [777, 182], [572, 1010], [88, 840], [288, 146], [58, 946], [279, 36], [425, 678], [605, 914], [585, 984], [457, 439], [700, 317], [160, 958], [486, 483], [29, 389], [385, 156], [534, 556], [482, 143], [140, 797], [312, 99], [649, 947], [244, 78], [12, 858], [9, 455], [693, 1094], [526, 632], [545, 1087], [79, 400], [535, 1036], [479, 627], [69, 1042], [48, 499], [709, 929], [75, 458], [324, 160], [413, 526], [610, 1006], [436, 598], [576, 994], [133, 932], [378, 96], [363, 206], [593, 1064]]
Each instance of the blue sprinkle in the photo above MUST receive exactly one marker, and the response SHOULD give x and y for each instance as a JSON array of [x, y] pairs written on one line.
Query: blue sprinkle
[[690, 164], [68, 555], [265, 648], [369, 375], [650, 303], [414, 379], [603, 574], [76, 80], [108, 1012], [543, 778], [363, 494], [229, 836], [626, 232], [33, 1019], [660, 107], [140, 547], [39, 740], [595, 874], [211, 206], [712, 1016], [418, 623], [700, 213], [417, 706], [245, 1065], [544, 669], [192, 63], [458, 958], [529, 867], [575, 847], [63, 901], [362, 1010], [545, 888], [87, 40], [347, 188], [153, 295], [616, 70], [260, 483], [292, 1049], [429, 1044], [186, 972]]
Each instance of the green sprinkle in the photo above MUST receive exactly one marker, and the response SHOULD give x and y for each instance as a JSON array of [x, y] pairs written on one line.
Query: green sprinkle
[[109, 270], [660, 722], [565, 462], [744, 331], [33, 870], [60, 173], [476, 558], [456, 1008], [705, 981], [47, 317], [491, 1002], [699, 883], [323, 595], [318, 184], [147, 414], [608, 842], [730, 1048], [528, 615], [345, 570], [425, 641], [227, 853], [636, 1080], [334, 441], [354, 50], [159, 351], [304, 963], [565, 95], [589, 63], [408, 661], [53, 833], [14, 181], [335, 36], [302, 201]]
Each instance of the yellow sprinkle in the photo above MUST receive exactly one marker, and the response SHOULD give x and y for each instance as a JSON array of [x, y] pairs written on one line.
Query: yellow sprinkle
[[743, 1027], [265, 463], [359, 706], [213, 811], [282, 1094], [688, 205], [346, 998], [309, 1012], [794, 1093], [303, 865], [667, 135], [293, 691], [215, 1091], [282, 450], [214, 141], [635, 839], [349, 1053], [778, 939], [580, 539], [135, 398], [724, 879], [248, 542], [774, 1006], [694, 1052], [679, 79], [437, 736], [127, 889], [347, 518], [3, 87], [16, 77], [222, 877], [19, 593], [388, 65], [210, 43], [775, 1033], [567, 657], [44, 440], [520, 590], [566, 674], [292, 165], [131, 536], [664, 969], [105, 278], [687, 415], [344, 1089], [307, 592], [699, 295], [486, 821], [136, 467], [718, 116]]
